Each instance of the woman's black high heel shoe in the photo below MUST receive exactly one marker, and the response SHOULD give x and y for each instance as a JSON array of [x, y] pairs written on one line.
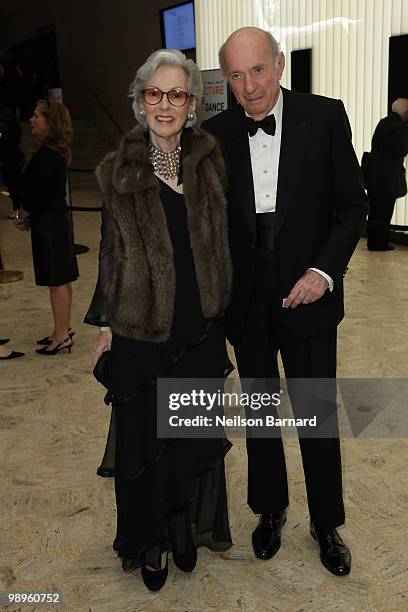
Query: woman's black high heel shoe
[[155, 579], [47, 340], [187, 561], [128, 565], [13, 355], [60, 347]]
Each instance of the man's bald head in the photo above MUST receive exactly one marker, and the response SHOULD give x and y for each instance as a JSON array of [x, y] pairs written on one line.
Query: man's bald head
[[400, 106], [253, 65], [246, 33]]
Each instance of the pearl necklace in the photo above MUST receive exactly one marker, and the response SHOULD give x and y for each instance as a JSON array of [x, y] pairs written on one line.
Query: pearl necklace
[[165, 164]]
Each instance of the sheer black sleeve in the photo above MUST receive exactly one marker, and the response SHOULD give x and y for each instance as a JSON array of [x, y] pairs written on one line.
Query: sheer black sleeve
[[97, 311]]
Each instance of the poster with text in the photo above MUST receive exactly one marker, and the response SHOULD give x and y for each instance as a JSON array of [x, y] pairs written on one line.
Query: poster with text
[[215, 94]]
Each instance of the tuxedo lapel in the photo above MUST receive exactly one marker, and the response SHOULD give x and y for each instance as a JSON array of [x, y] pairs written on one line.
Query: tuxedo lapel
[[295, 133], [240, 158]]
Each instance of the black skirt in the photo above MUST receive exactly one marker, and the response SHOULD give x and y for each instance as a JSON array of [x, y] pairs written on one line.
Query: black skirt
[[52, 242], [170, 492]]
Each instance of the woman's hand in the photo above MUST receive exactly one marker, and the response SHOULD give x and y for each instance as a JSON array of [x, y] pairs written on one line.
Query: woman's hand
[[102, 344]]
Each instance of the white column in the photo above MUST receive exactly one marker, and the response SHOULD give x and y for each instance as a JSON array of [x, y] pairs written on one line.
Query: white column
[[349, 41]]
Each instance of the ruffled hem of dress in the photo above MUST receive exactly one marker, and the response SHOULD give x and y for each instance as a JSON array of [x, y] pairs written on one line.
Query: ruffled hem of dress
[[108, 472], [201, 469], [229, 367], [200, 538]]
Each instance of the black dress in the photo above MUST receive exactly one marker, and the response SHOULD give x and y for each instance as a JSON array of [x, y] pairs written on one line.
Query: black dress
[[168, 492], [52, 240]]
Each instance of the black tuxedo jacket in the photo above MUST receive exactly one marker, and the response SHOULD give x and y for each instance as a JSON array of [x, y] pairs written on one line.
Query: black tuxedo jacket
[[321, 206], [384, 170]]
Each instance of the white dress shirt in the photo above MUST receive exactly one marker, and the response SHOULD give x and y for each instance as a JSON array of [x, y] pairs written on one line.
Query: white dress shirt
[[265, 153]]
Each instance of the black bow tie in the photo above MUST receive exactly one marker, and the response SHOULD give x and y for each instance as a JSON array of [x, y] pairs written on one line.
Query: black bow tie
[[268, 125]]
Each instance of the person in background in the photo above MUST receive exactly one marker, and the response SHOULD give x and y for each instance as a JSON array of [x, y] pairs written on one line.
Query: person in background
[[26, 86], [297, 208], [11, 157], [10, 84], [384, 173], [44, 181], [164, 285]]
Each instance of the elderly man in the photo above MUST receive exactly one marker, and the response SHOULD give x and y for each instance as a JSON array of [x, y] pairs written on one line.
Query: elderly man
[[384, 174], [297, 209]]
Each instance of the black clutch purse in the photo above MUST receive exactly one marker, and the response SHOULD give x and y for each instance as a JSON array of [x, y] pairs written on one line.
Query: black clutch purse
[[102, 370]]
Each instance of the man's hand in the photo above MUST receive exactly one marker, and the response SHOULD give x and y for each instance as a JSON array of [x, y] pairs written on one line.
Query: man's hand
[[102, 344], [309, 288], [22, 219]]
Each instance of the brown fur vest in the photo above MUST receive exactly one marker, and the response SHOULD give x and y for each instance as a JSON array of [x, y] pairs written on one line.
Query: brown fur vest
[[140, 283]]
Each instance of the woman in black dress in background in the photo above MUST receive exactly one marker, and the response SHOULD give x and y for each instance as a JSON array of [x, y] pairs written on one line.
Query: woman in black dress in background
[[44, 181], [164, 284]]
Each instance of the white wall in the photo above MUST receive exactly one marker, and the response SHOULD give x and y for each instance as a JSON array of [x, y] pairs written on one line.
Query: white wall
[[349, 39]]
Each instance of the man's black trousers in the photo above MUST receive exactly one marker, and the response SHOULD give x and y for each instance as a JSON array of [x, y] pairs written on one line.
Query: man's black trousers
[[263, 336]]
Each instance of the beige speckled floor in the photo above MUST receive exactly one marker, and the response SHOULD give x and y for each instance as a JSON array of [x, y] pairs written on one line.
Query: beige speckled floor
[[58, 518]]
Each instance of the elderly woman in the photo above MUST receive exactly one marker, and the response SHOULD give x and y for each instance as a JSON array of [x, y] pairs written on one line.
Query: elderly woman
[[164, 284]]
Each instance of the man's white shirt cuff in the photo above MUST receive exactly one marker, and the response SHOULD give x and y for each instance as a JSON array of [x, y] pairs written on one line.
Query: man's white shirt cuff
[[326, 276]]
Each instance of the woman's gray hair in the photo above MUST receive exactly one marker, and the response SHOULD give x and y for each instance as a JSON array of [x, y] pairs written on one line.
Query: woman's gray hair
[[273, 43], [170, 57]]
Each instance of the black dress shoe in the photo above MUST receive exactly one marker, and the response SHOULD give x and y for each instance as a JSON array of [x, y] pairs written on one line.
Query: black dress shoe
[[266, 539], [105, 472], [116, 544], [155, 579], [4, 340], [334, 554], [387, 247]]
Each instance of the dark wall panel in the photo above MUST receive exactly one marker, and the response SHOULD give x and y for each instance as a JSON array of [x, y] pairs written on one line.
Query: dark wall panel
[[397, 68], [301, 70], [100, 45]]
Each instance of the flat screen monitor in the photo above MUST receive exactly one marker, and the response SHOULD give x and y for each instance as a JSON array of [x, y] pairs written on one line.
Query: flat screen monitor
[[178, 28]]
